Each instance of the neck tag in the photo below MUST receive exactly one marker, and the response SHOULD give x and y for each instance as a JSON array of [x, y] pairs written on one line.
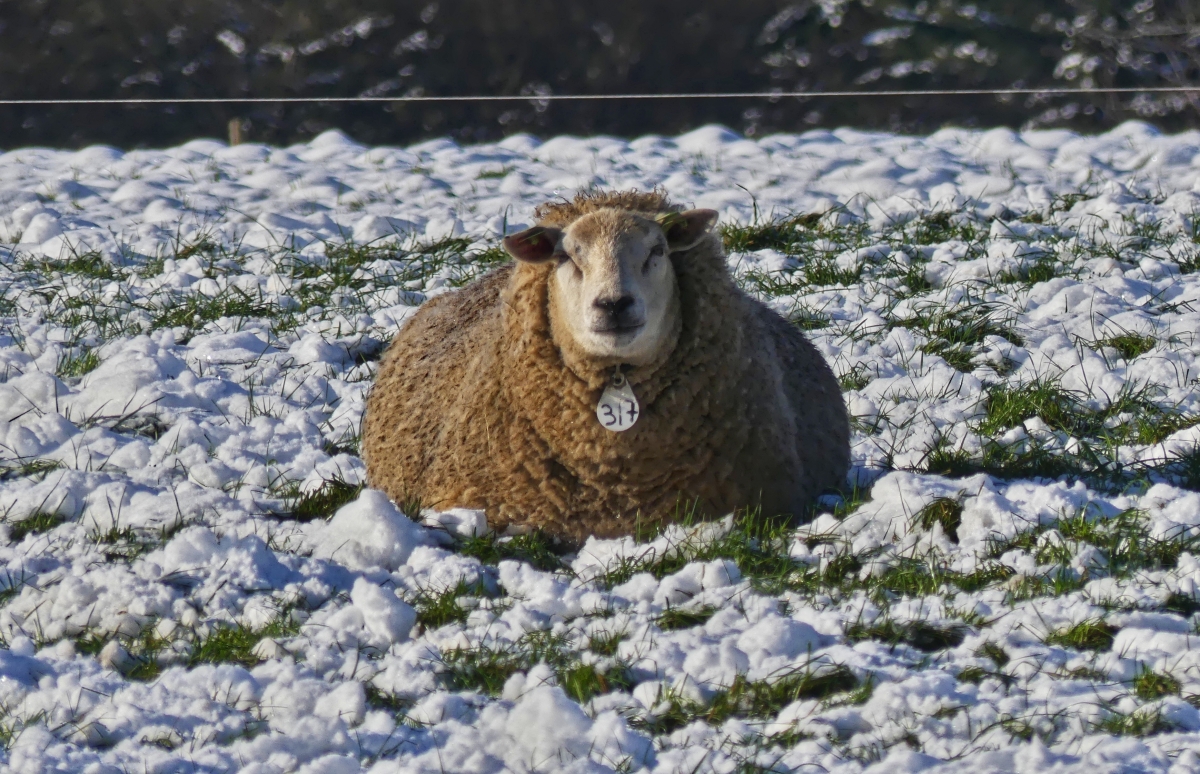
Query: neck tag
[[618, 408]]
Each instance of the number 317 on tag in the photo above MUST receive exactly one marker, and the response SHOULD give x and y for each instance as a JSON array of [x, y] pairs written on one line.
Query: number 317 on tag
[[618, 409]]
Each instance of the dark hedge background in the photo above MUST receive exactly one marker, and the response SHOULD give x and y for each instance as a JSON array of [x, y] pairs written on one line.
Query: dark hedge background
[[144, 48]]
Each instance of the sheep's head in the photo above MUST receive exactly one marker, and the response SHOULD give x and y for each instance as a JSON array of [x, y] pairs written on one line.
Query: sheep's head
[[613, 290]]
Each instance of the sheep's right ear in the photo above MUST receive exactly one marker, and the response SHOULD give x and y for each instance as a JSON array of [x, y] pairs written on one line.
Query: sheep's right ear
[[533, 245], [684, 230]]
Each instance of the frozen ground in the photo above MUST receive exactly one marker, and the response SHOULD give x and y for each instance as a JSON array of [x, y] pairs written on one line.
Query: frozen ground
[[1007, 583]]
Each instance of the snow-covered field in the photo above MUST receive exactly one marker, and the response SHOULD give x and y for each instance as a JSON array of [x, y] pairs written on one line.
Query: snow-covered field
[[1007, 583]]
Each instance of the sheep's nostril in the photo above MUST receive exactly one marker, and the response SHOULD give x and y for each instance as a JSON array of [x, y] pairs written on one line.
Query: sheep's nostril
[[614, 307]]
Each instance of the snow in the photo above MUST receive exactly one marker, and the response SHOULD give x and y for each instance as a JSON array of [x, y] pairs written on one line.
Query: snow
[[192, 439], [369, 532]]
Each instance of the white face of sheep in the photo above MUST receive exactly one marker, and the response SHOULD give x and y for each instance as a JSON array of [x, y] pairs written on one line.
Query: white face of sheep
[[614, 289]]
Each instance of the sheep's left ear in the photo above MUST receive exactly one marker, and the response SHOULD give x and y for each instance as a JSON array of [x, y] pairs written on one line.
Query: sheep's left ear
[[533, 245], [685, 229]]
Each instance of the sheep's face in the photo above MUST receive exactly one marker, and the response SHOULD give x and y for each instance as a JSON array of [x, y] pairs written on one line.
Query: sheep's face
[[613, 290]]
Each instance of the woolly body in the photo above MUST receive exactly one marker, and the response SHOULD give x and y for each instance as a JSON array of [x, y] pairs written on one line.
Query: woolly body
[[478, 404]]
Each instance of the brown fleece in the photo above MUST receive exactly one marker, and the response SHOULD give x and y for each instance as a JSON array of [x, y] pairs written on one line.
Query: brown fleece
[[477, 405]]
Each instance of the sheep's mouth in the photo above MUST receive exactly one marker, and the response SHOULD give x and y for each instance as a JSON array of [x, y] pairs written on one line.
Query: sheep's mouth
[[628, 329]]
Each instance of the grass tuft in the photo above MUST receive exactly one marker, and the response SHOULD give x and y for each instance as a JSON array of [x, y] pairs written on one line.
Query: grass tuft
[[77, 362], [945, 511], [322, 502], [1149, 685], [993, 651], [439, 608], [684, 618], [606, 643], [583, 682], [1092, 634], [1128, 345], [1006, 407], [534, 548], [122, 544], [235, 643], [1181, 604], [485, 668], [397, 706], [1140, 722], [759, 699], [34, 524], [921, 635], [30, 468]]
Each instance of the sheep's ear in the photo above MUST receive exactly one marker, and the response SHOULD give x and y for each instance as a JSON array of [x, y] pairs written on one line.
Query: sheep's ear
[[685, 229], [533, 245]]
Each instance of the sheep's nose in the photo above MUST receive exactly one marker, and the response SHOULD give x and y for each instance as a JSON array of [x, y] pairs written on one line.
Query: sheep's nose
[[614, 306]]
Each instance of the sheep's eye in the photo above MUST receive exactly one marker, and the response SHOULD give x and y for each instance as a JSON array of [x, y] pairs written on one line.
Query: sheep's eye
[[564, 258], [655, 252]]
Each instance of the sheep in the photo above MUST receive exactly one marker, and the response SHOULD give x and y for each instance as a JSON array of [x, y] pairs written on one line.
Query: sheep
[[493, 396]]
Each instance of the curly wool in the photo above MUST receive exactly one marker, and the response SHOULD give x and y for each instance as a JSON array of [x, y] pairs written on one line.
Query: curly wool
[[563, 213], [477, 406]]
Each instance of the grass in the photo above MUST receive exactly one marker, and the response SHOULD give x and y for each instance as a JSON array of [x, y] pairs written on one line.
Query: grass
[[31, 469], [807, 237], [976, 675], [486, 667], [233, 644], [534, 548], [955, 332], [921, 635], [945, 511], [35, 523], [607, 643], [1139, 723], [756, 699], [88, 264], [11, 726], [995, 652], [760, 548], [11, 584], [193, 313], [320, 502], [77, 362], [952, 331], [1006, 407], [397, 706], [122, 544], [1092, 634], [78, 293], [1131, 416], [1128, 345], [1149, 685], [583, 682], [437, 608], [1084, 442], [1042, 268], [856, 377], [755, 543], [225, 643], [1124, 543], [782, 234], [684, 618], [493, 174], [144, 650], [1181, 604]]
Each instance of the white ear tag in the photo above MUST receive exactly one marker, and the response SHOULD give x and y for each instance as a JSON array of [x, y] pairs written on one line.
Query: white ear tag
[[618, 408]]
